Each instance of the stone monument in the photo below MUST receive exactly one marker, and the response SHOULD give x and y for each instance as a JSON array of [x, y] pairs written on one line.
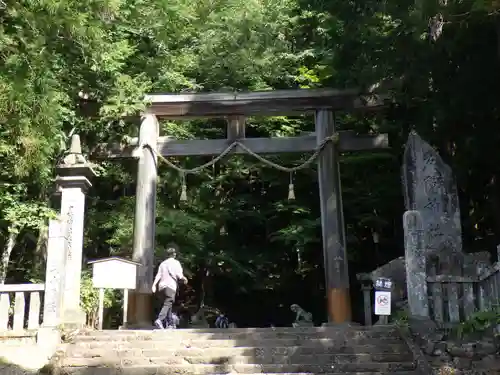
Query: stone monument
[[430, 189], [72, 182], [416, 265], [48, 335], [432, 221], [199, 320]]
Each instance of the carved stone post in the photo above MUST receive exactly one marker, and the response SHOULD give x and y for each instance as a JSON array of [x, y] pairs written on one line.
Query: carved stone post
[[55, 275], [140, 304], [415, 260], [72, 183], [48, 335]]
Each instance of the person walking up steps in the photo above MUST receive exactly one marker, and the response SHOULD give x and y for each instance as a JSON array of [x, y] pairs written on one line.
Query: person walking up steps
[[169, 275]]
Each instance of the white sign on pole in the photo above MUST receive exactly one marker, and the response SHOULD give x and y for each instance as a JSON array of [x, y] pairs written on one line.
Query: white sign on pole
[[114, 273], [382, 303]]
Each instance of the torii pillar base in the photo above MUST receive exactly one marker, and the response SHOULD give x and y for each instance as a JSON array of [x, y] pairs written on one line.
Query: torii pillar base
[[140, 310]]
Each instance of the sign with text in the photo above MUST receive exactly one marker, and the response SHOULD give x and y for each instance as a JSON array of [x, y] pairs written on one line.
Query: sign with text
[[382, 303], [114, 273], [383, 283]]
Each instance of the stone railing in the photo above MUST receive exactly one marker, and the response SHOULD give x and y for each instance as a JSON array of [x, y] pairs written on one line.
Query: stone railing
[[489, 288], [20, 307], [452, 299]]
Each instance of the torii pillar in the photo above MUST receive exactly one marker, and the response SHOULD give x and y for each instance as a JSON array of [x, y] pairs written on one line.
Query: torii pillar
[[140, 300], [332, 223]]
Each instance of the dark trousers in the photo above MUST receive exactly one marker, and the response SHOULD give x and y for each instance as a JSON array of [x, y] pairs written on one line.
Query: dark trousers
[[168, 296]]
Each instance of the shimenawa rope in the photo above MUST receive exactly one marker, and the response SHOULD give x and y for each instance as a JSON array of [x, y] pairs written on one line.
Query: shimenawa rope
[[291, 194]]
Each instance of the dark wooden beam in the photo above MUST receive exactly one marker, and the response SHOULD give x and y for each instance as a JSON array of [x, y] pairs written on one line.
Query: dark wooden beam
[[332, 224], [277, 102], [348, 141]]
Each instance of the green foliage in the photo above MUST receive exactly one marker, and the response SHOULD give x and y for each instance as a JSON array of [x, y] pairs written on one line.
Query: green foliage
[[479, 323], [19, 214], [89, 296], [400, 318], [83, 67]]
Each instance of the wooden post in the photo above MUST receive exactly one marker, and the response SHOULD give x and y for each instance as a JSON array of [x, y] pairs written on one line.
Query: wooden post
[[367, 302], [235, 128], [144, 224], [125, 308], [100, 311], [332, 223]]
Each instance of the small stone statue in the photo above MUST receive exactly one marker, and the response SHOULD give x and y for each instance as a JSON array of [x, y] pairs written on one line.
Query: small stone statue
[[302, 317], [198, 320]]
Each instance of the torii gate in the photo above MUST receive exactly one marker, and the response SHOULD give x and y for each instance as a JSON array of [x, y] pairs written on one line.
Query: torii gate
[[235, 107]]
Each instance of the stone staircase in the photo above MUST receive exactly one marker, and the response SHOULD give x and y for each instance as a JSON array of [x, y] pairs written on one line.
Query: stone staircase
[[304, 351]]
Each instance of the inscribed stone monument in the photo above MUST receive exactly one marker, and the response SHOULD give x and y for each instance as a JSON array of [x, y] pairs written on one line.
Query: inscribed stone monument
[[430, 189], [416, 275], [55, 275]]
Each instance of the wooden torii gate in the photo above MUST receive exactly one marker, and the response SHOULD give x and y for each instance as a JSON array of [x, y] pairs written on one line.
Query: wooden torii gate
[[235, 107]]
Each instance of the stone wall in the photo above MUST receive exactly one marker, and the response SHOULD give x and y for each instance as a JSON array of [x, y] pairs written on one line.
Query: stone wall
[[20, 355], [462, 357]]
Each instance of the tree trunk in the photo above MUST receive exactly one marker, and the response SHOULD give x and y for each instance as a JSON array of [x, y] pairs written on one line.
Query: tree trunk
[[41, 252], [11, 242]]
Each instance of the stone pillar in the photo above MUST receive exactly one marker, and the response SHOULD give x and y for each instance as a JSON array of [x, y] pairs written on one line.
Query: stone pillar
[[415, 260], [55, 275], [140, 300], [48, 336], [72, 183]]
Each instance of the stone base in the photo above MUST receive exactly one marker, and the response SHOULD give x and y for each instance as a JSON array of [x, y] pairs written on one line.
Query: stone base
[[422, 326], [139, 326], [302, 324], [74, 319], [382, 320], [341, 325], [48, 339], [140, 310]]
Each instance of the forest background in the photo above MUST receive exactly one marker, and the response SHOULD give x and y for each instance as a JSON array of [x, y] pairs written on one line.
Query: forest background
[[247, 249]]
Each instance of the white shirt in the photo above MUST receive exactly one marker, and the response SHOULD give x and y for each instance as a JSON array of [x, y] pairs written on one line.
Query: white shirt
[[170, 272]]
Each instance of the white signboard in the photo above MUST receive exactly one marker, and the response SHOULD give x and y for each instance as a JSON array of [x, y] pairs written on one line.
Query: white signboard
[[382, 303], [383, 283], [114, 273]]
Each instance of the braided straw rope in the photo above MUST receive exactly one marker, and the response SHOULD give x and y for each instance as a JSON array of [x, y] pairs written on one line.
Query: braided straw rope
[[235, 144]]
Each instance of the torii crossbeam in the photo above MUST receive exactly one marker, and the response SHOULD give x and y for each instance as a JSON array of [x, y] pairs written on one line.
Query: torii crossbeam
[[235, 108]]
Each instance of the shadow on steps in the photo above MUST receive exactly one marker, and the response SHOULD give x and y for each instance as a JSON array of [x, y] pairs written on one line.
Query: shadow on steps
[[8, 368]]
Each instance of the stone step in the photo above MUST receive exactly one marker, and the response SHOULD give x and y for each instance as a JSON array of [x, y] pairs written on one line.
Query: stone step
[[269, 343], [377, 328], [156, 371], [282, 359], [197, 369], [307, 349], [237, 334]]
